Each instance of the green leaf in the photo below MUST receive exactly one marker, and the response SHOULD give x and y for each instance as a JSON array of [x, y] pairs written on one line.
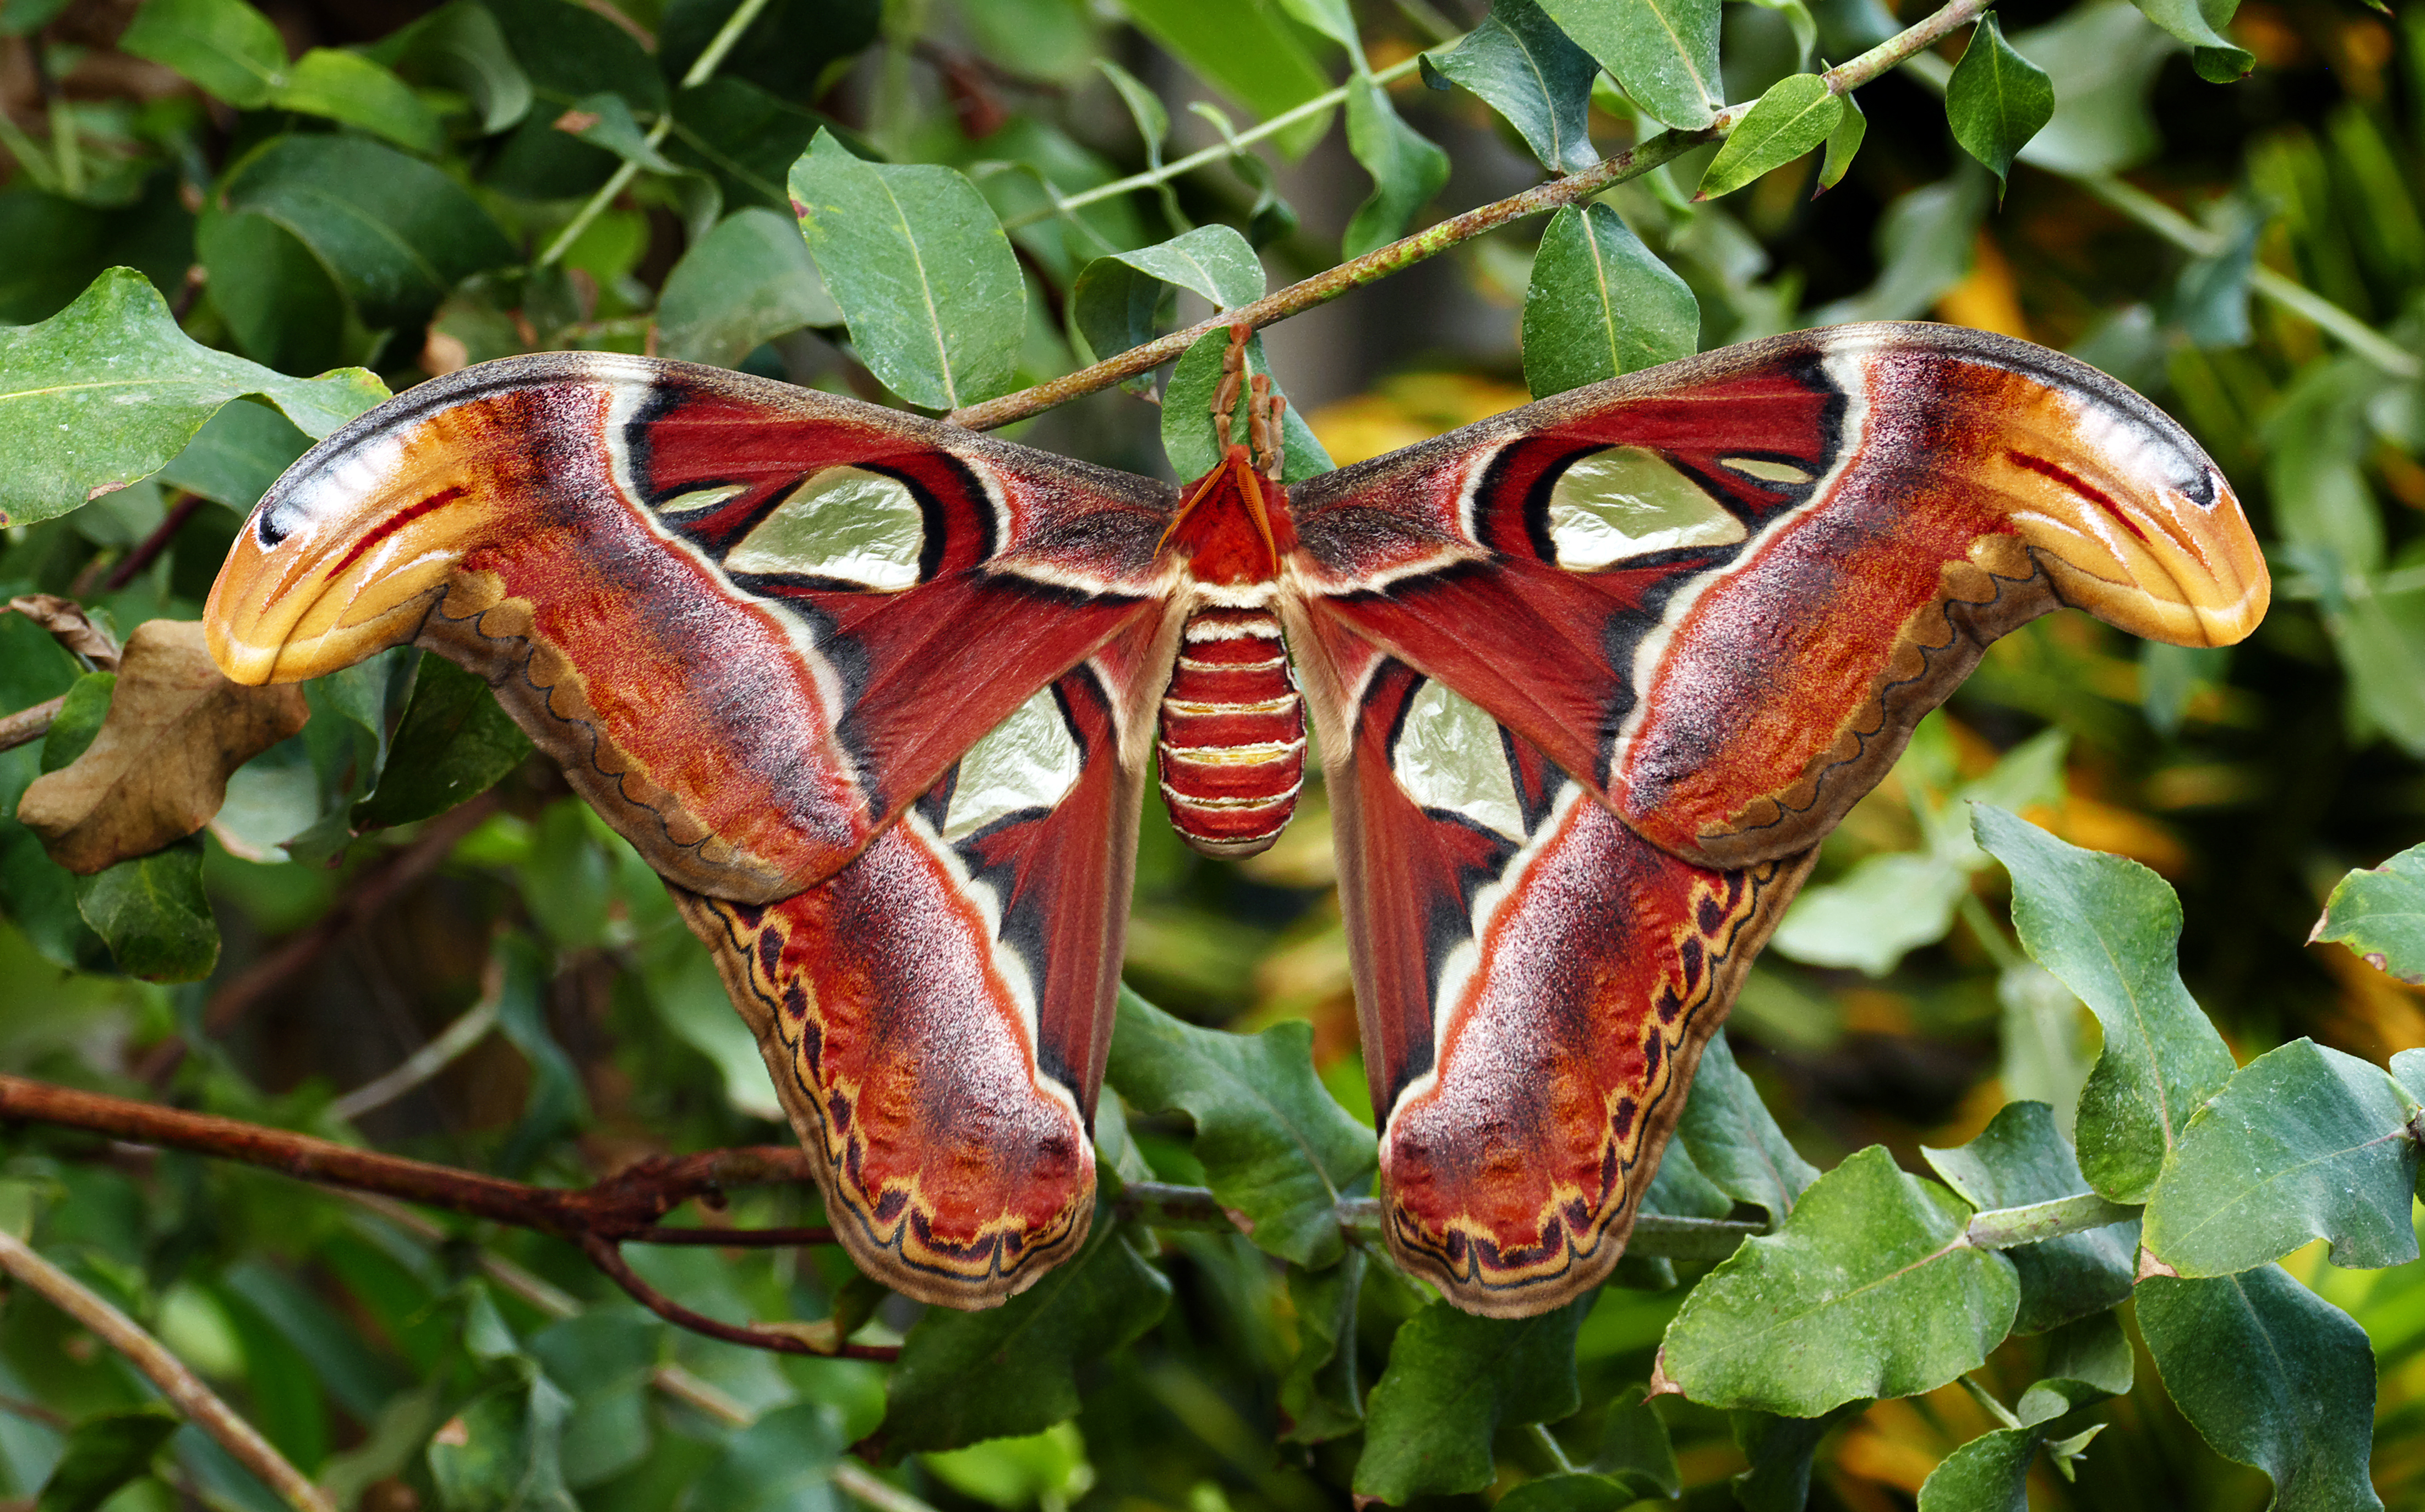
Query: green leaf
[[462, 48], [351, 88], [102, 1455], [2199, 22], [1245, 50], [969, 1375], [783, 1462], [1453, 1381], [454, 743], [1779, 1450], [568, 50], [920, 269], [2111, 929], [1117, 300], [1532, 75], [1322, 1397], [1997, 99], [2379, 912], [1734, 1142], [2087, 1360], [1990, 1473], [1187, 434], [1884, 907], [556, 1104], [1924, 244], [745, 283], [1665, 52], [1406, 168], [79, 719], [605, 121], [2272, 1376], [2107, 56], [234, 457], [226, 46], [2020, 1159], [154, 916], [1276, 1146], [1870, 1288], [1599, 303], [1842, 143], [1795, 114], [2303, 1143], [396, 233], [352, 711], [1635, 1460], [504, 1453], [118, 352], [279, 302], [791, 50]]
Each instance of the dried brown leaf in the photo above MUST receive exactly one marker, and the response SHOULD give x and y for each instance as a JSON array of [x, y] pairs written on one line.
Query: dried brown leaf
[[159, 770], [65, 619]]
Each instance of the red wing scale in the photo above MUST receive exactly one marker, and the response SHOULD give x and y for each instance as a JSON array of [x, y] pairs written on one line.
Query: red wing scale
[[936, 1014], [752, 621], [1722, 591]]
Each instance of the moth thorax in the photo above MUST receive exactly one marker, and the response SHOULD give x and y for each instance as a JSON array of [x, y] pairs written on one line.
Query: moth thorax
[[1232, 733]]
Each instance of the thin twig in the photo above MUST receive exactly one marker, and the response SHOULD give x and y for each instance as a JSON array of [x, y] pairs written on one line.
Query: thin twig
[[1432, 240], [28, 725], [149, 550], [603, 1254], [451, 1043], [180, 1386]]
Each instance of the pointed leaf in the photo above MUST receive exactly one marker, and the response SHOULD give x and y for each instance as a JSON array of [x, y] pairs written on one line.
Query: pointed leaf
[[462, 48], [1781, 1450], [969, 1375], [1868, 1288], [1796, 114], [1187, 434], [1406, 168], [117, 352], [2198, 23], [2087, 1360], [1277, 1147], [351, 88], [1997, 99], [452, 744], [233, 458], [920, 269], [783, 1462], [1842, 143], [2379, 914], [2111, 928], [1245, 50], [1599, 303], [1212, 262], [1733, 1140], [1534, 76], [2303, 1143], [2020, 1159], [2272, 1376], [154, 916], [1665, 52], [745, 283], [1990, 1473], [1453, 1381], [226, 46], [1322, 1397]]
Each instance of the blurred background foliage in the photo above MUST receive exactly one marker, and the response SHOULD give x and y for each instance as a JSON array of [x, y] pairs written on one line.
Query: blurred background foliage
[[563, 1022]]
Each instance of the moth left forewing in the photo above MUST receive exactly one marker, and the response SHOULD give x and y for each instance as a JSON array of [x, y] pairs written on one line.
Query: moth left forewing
[[935, 1015], [1536, 980]]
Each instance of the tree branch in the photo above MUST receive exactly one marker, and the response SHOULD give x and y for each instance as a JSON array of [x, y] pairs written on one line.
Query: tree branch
[[1431, 241], [181, 1387]]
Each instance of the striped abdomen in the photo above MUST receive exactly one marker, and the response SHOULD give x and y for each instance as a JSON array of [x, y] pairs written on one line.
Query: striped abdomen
[[1232, 733]]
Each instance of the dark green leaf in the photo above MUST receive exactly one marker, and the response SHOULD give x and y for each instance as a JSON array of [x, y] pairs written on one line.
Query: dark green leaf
[[1276, 1146], [2272, 1376], [1408, 170], [2379, 914], [2111, 928], [279, 302], [2199, 22], [969, 1375], [1115, 307], [1842, 143], [1453, 1381], [1635, 1460], [2087, 1360], [2210, 300], [102, 1454], [1665, 52], [1329, 17], [2303, 1143], [1245, 50], [462, 48], [1323, 1396], [745, 283], [791, 49], [605, 122], [2022, 1158], [1997, 99], [352, 711], [783, 1462], [1117, 300], [557, 1103], [2107, 57], [1796, 114], [351, 88], [1599, 303], [226, 46], [1734, 1142], [1188, 437], [355, 1377], [152, 914], [1868, 1288], [233, 458], [396, 233], [1990, 1473], [79, 719], [1534, 76], [744, 137], [1779, 1450], [570, 49], [504, 1453], [117, 351], [452, 743], [920, 269], [610, 1360]]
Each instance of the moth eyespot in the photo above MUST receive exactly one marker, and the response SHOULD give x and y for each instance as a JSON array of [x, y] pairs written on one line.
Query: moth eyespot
[[698, 499], [1769, 471], [1448, 757], [844, 524], [1028, 761], [1629, 501]]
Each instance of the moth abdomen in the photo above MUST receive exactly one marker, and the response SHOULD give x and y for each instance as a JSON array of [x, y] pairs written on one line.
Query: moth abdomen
[[1232, 743]]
